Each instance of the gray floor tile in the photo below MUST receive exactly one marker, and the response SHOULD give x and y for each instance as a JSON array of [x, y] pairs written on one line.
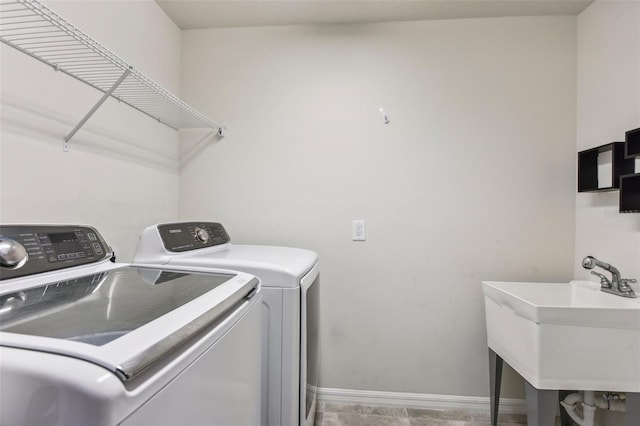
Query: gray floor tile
[[419, 413], [480, 416], [512, 418], [340, 414], [350, 419], [430, 421], [489, 424], [425, 421], [334, 407]]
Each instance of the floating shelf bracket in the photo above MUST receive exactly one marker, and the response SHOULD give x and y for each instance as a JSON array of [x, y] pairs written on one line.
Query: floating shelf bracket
[[36, 30]]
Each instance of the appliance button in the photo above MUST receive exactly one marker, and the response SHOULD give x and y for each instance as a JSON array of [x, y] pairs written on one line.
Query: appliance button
[[92, 236]]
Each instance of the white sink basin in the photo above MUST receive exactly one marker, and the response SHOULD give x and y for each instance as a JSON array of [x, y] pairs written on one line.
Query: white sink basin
[[565, 335]]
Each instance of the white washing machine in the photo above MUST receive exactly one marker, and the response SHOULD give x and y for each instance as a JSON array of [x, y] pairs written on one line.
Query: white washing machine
[[290, 289], [85, 341]]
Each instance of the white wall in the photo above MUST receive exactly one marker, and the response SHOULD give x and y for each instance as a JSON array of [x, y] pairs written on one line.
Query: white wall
[[608, 105], [473, 179], [121, 173]]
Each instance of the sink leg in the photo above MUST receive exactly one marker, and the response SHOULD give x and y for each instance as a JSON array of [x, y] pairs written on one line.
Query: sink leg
[[541, 406], [632, 417], [495, 380]]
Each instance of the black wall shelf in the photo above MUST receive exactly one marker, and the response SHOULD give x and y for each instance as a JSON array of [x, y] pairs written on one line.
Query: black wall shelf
[[588, 167], [632, 147], [630, 193]]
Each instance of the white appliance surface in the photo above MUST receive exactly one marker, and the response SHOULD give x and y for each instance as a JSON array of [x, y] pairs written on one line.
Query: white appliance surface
[[275, 266], [287, 275], [89, 341]]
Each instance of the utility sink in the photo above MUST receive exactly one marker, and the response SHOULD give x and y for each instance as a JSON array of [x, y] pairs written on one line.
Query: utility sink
[[565, 335]]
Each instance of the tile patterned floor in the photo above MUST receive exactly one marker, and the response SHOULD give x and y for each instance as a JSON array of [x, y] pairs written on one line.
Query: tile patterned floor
[[335, 414]]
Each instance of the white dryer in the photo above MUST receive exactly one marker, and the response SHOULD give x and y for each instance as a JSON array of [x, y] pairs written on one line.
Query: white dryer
[[290, 294], [85, 341]]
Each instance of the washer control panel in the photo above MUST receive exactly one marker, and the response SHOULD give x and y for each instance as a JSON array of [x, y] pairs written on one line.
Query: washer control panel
[[32, 249], [185, 236]]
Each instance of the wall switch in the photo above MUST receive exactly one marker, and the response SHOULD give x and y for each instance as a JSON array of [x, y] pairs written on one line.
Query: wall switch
[[357, 230]]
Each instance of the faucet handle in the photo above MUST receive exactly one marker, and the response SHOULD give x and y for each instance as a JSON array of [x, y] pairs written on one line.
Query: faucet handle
[[626, 288], [624, 284], [604, 281]]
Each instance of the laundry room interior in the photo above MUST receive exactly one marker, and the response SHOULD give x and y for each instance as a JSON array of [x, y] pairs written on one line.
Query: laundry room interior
[[417, 156]]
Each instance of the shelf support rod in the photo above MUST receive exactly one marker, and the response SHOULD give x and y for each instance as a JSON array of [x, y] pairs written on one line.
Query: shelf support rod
[[95, 108]]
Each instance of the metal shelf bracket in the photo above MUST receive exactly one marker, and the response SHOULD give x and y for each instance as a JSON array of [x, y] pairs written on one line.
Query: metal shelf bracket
[[94, 109]]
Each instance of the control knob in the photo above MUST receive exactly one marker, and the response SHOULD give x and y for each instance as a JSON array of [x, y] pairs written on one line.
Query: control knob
[[12, 253], [202, 235]]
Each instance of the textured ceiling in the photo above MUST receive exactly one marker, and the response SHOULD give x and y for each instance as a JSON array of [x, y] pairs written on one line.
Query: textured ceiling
[[195, 14]]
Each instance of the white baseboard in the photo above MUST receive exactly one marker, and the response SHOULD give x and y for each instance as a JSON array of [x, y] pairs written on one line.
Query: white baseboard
[[418, 400]]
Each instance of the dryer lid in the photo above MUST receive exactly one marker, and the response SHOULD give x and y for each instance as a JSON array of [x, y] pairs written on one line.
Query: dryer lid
[[275, 266]]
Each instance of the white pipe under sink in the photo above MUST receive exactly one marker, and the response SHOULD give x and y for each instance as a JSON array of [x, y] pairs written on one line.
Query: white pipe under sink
[[589, 405]]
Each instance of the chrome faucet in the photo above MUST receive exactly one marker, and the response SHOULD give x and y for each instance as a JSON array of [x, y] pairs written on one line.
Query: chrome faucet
[[618, 286]]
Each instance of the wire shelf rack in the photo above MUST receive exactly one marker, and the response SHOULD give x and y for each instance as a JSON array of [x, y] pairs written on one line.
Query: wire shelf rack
[[39, 32]]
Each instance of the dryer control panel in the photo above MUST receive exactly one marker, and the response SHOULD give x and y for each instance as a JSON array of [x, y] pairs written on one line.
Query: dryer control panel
[[185, 236], [33, 249]]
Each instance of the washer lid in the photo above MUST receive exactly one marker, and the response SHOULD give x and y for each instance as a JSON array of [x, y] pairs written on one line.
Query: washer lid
[[124, 319], [275, 266]]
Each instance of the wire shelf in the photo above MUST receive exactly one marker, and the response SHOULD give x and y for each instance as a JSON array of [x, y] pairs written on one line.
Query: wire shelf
[[36, 30]]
